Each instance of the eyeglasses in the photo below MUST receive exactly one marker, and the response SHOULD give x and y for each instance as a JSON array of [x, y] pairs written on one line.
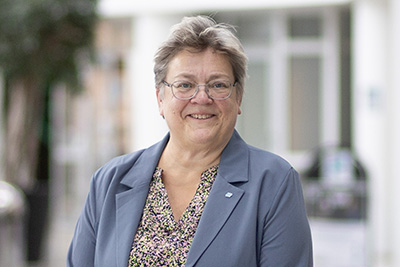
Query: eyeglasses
[[217, 90]]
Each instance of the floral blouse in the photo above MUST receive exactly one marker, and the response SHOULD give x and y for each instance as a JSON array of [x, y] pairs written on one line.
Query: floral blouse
[[160, 240]]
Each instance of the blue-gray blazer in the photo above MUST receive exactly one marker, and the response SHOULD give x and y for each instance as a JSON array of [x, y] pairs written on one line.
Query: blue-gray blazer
[[260, 222]]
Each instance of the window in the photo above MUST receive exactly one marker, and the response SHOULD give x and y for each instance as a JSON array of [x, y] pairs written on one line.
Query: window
[[305, 26], [254, 122], [294, 96], [304, 102]]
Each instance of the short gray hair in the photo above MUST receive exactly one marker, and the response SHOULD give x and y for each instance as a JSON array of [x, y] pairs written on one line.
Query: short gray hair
[[200, 33]]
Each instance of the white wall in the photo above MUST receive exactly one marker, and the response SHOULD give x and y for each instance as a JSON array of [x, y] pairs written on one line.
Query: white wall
[[148, 32], [376, 121], [129, 7], [393, 128]]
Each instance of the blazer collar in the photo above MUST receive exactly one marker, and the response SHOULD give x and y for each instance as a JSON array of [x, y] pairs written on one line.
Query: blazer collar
[[233, 165], [234, 160], [143, 169], [233, 168]]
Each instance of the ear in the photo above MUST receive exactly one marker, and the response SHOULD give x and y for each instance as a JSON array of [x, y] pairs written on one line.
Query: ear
[[160, 97], [239, 101]]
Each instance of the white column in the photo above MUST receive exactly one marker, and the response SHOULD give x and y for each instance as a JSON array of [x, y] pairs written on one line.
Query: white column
[[330, 108], [147, 125], [278, 83], [370, 86], [393, 128]]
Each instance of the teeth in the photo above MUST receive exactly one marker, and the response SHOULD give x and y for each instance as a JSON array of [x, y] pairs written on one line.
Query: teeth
[[201, 117]]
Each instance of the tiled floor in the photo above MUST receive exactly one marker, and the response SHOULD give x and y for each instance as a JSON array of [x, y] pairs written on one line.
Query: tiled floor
[[56, 246], [340, 243]]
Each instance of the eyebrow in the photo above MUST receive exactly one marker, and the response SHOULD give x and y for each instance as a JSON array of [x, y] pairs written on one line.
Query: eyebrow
[[210, 78]]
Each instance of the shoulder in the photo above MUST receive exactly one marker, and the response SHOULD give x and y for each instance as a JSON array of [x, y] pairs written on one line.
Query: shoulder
[[265, 160], [135, 165], [109, 176], [243, 162], [271, 173], [117, 166]]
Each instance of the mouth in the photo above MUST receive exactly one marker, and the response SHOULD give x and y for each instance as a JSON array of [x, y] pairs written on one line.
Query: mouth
[[201, 116]]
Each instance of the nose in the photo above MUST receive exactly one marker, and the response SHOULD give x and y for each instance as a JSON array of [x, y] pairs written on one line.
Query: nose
[[202, 96]]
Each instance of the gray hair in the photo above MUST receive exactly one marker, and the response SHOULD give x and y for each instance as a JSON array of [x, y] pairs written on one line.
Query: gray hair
[[200, 33]]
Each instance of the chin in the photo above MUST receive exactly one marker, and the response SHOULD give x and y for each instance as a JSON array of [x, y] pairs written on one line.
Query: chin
[[203, 136], [207, 136]]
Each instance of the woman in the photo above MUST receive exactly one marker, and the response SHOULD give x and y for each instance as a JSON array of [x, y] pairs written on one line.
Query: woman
[[201, 196]]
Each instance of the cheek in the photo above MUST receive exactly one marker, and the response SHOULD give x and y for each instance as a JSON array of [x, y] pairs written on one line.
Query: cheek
[[171, 107], [232, 109]]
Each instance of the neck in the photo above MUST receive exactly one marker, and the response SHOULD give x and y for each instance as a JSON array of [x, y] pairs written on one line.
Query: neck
[[190, 157]]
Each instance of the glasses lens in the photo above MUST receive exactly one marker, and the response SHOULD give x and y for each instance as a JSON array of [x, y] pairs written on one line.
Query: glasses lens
[[183, 89], [219, 89]]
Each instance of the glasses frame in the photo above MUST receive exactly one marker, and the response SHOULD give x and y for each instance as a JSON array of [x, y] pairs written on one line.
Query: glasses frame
[[206, 89]]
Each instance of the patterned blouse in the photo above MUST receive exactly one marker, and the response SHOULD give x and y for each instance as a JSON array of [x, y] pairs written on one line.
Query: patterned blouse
[[160, 240]]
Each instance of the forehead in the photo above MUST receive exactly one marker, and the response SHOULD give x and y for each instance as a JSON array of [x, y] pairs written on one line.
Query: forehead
[[205, 63]]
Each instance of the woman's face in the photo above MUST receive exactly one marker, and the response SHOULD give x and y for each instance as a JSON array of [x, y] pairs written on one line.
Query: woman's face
[[200, 120]]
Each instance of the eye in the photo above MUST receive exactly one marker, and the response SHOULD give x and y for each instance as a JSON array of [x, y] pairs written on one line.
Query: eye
[[220, 84], [183, 85]]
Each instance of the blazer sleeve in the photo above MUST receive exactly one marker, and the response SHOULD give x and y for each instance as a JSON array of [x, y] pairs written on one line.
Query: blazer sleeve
[[82, 248], [287, 237]]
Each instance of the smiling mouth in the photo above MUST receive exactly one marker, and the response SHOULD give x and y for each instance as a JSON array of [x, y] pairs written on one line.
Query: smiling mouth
[[201, 117]]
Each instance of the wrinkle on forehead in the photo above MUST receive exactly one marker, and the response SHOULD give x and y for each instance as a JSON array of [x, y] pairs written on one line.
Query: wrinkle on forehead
[[206, 67]]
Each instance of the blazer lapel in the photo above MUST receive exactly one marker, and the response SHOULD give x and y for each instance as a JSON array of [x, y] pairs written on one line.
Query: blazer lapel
[[130, 203], [129, 206], [223, 198], [220, 204]]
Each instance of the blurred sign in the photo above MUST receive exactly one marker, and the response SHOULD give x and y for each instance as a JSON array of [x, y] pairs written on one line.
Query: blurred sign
[[335, 185]]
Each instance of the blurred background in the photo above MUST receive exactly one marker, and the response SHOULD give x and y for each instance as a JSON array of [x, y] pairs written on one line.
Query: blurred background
[[77, 88]]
